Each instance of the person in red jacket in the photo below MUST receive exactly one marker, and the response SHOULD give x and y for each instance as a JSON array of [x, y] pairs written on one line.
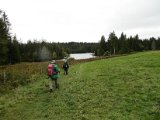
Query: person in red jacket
[[53, 73]]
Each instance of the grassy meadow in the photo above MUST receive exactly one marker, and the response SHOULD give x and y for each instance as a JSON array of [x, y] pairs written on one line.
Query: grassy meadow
[[119, 88]]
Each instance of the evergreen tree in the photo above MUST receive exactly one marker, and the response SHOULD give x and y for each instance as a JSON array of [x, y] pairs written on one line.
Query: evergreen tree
[[4, 38], [102, 46], [153, 43], [113, 43], [15, 53], [146, 44], [123, 43], [158, 44]]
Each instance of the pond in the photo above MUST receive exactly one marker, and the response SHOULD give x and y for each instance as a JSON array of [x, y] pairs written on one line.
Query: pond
[[82, 55]]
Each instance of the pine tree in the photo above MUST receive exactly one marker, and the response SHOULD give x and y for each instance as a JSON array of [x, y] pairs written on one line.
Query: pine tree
[[153, 43], [4, 38], [15, 51], [113, 43], [102, 46], [123, 43]]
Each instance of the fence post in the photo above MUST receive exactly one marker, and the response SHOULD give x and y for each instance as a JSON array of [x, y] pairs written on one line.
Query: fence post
[[4, 77], [41, 70]]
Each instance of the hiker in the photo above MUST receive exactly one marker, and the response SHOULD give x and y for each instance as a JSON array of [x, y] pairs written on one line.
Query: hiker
[[65, 67], [53, 73]]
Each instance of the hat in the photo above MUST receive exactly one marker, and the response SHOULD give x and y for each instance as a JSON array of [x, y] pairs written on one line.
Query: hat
[[53, 61]]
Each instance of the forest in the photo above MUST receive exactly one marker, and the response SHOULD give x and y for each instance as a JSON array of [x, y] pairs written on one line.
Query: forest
[[124, 44], [12, 51]]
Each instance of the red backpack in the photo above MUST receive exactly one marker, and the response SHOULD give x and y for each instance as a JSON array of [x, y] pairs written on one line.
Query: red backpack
[[50, 69]]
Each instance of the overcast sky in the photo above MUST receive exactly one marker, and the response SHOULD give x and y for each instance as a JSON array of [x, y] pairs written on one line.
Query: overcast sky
[[81, 20]]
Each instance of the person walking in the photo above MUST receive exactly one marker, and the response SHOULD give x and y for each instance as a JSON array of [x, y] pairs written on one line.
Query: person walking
[[65, 67], [53, 73]]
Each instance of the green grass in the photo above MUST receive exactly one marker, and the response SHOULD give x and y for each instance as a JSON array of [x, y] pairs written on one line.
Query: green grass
[[121, 88]]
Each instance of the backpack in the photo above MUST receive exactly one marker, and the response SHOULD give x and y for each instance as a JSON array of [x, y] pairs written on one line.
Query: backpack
[[51, 70]]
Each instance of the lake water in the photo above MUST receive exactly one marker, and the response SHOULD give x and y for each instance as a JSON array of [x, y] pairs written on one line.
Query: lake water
[[82, 55]]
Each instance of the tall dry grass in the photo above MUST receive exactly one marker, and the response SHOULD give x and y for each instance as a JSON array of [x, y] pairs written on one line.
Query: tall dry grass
[[11, 76]]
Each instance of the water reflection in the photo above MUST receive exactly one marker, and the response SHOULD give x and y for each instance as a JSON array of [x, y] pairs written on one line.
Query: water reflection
[[82, 55]]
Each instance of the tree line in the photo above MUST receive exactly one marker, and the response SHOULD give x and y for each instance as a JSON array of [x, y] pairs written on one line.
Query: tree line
[[79, 47], [124, 44], [12, 51], [43, 51]]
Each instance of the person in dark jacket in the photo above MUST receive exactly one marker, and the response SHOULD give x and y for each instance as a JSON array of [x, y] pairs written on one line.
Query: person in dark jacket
[[65, 67]]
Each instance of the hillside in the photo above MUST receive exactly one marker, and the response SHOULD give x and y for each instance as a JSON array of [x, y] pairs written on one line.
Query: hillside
[[121, 88]]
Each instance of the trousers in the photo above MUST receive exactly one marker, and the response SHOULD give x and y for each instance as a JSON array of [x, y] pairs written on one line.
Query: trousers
[[53, 81], [65, 71]]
